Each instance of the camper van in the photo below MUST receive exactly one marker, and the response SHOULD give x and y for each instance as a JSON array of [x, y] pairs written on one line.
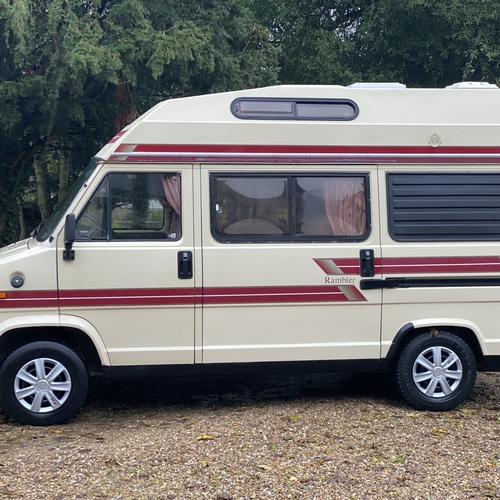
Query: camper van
[[290, 228]]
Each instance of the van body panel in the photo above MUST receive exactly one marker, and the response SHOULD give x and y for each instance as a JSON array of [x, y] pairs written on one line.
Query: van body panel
[[34, 264], [29, 321], [79, 323], [445, 278]]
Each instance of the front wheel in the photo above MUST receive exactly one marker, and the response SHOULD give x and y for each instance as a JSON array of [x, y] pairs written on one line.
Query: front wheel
[[43, 383], [436, 372]]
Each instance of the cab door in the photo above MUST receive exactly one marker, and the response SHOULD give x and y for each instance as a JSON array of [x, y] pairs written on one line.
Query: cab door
[[132, 277], [284, 253]]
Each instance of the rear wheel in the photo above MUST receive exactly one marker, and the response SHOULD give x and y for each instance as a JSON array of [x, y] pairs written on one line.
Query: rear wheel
[[43, 383], [436, 372]]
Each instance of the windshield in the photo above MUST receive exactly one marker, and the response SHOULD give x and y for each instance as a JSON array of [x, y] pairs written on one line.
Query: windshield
[[45, 229]]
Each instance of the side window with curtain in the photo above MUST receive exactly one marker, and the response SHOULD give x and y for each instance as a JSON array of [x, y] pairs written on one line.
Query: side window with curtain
[[133, 206], [331, 206], [290, 207]]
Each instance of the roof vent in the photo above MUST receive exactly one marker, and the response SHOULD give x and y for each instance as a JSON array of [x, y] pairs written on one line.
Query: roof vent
[[377, 85], [472, 85]]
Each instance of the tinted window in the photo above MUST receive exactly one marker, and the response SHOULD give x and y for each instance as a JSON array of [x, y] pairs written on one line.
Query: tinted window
[[289, 207]]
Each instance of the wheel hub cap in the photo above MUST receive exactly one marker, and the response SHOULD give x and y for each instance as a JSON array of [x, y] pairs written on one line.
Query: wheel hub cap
[[437, 372], [42, 385]]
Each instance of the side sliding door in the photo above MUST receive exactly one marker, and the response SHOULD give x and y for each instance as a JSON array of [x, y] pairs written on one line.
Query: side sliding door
[[283, 254]]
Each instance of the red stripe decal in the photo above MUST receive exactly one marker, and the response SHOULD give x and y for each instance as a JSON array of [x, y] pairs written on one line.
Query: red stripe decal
[[340, 267], [441, 265], [117, 136], [126, 297], [271, 295], [334, 267], [219, 295], [304, 153], [414, 265], [29, 299], [304, 149]]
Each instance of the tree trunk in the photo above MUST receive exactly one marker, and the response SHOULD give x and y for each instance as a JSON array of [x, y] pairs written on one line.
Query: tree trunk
[[3, 221], [12, 172], [44, 202], [22, 221], [64, 168]]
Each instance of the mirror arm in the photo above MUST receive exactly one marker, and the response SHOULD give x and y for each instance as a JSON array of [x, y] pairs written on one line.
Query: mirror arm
[[69, 237]]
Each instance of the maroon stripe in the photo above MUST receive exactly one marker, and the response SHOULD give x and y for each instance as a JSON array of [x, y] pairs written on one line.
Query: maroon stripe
[[262, 295], [301, 159], [117, 136], [219, 295], [128, 297], [278, 153], [174, 296], [441, 265], [414, 265], [29, 299], [347, 266], [305, 149]]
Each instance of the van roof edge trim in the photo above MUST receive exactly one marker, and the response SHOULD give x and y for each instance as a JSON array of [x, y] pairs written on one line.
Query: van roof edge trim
[[196, 154]]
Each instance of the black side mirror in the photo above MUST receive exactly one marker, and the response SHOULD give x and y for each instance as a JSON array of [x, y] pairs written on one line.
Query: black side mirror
[[69, 237]]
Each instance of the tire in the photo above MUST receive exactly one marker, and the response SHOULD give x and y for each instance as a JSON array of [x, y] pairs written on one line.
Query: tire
[[43, 383], [436, 372]]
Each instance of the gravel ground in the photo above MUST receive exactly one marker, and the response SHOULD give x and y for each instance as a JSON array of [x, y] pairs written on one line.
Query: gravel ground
[[308, 437]]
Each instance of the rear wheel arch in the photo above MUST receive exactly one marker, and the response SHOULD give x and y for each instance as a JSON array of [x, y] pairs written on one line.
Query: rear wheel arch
[[409, 331]]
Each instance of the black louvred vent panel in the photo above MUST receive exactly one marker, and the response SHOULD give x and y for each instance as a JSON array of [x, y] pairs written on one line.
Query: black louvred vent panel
[[444, 207]]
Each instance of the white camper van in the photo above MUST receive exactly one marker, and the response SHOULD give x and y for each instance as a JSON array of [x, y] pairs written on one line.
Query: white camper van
[[321, 228]]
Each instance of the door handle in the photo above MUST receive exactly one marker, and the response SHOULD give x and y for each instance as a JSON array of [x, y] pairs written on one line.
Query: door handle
[[185, 265], [366, 263]]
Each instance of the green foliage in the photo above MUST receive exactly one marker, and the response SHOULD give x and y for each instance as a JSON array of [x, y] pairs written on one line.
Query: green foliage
[[315, 38], [418, 42], [74, 72]]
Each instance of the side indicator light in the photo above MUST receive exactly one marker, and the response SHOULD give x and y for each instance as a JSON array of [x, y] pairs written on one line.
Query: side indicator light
[[3, 295]]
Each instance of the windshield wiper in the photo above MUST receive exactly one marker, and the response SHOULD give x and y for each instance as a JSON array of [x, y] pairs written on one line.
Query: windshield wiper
[[37, 229]]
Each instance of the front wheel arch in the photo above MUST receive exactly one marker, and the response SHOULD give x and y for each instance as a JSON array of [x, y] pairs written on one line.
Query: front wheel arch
[[74, 338]]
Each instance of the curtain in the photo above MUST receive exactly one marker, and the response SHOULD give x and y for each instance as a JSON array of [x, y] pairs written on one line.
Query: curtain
[[345, 205], [172, 187]]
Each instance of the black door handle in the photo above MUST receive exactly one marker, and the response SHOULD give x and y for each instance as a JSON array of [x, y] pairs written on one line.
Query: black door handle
[[366, 263], [185, 265]]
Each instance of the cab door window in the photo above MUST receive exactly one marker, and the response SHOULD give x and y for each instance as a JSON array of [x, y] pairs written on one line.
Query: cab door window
[[133, 206]]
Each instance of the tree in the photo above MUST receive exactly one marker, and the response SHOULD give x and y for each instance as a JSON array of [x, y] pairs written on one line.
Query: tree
[[76, 71], [315, 38], [429, 44], [418, 42]]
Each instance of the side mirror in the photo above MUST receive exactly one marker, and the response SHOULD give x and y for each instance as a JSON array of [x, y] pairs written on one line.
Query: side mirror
[[69, 237]]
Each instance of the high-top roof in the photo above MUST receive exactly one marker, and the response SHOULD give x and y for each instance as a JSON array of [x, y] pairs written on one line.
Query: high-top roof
[[462, 117]]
